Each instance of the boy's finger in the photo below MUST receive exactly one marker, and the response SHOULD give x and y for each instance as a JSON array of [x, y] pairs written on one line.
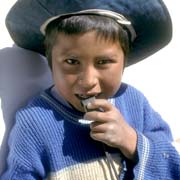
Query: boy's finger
[[95, 116]]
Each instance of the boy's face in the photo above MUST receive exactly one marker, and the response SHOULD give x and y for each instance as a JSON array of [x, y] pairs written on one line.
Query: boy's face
[[85, 65]]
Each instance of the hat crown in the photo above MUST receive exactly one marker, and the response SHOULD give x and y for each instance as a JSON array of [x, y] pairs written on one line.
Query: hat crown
[[68, 6]]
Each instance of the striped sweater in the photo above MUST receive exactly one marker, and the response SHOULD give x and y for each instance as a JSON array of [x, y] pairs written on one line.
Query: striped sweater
[[48, 142]]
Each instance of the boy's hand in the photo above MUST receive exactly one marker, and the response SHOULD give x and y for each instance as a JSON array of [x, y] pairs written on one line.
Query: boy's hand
[[110, 127]]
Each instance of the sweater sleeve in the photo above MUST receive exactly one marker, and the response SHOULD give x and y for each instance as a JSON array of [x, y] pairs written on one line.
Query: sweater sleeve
[[157, 157], [24, 159]]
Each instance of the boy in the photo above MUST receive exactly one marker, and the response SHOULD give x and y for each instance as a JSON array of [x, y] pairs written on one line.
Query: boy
[[90, 125]]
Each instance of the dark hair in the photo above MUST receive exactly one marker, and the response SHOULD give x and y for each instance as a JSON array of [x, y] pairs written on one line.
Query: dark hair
[[104, 26]]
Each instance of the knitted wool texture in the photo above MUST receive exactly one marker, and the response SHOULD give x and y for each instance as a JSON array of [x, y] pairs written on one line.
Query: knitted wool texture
[[47, 142]]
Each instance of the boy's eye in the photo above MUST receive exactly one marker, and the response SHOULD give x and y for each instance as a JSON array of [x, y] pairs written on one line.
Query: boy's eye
[[72, 61], [104, 61]]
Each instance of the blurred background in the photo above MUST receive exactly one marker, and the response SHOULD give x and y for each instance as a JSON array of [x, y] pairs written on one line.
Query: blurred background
[[158, 77]]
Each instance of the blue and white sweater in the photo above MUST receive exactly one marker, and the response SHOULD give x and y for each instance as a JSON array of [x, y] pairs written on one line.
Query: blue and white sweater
[[48, 142]]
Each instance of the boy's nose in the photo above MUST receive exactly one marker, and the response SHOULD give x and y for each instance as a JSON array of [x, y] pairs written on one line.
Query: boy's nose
[[88, 79]]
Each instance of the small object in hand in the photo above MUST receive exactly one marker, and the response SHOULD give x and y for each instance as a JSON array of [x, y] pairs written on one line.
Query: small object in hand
[[84, 104]]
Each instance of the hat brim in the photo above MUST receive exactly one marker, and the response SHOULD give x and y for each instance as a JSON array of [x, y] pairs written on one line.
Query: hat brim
[[150, 19]]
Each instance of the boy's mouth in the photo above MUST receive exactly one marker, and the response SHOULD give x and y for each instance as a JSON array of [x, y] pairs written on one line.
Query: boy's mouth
[[84, 97]]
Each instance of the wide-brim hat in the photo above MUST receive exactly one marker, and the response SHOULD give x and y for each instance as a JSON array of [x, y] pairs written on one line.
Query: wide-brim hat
[[150, 20]]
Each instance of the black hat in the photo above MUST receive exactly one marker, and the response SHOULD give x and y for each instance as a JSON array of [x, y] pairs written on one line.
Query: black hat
[[150, 23]]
